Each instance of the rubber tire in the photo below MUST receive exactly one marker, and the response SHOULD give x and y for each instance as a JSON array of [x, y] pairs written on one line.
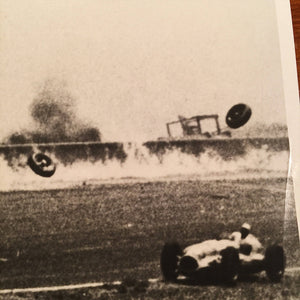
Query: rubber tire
[[229, 265], [169, 259], [238, 115], [275, 262], [36, 163]]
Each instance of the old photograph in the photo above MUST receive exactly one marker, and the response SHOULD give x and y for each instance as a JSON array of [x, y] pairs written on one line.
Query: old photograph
[[145, 151]]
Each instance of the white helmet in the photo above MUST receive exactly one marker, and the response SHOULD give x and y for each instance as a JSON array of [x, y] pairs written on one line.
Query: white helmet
[[246, 226]]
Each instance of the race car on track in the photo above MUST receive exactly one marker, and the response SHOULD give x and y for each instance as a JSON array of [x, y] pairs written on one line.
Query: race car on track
[[220, 261]]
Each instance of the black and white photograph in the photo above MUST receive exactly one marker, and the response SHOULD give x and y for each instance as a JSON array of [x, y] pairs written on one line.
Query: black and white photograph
[[147, 150]]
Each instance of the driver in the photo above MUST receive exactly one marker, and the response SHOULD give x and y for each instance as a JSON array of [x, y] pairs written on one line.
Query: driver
[[248, 243]]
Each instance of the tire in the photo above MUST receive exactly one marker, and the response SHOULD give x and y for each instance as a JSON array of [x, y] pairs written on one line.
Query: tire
[[169, 261], [275, 262], [229, 265], [238, 115], [41, 164]]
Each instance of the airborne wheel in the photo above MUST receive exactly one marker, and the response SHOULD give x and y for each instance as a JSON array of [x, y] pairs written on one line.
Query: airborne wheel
[[238, 115], [41, 164]]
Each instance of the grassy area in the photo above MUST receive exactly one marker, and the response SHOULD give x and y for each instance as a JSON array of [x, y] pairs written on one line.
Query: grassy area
[[112, 232]]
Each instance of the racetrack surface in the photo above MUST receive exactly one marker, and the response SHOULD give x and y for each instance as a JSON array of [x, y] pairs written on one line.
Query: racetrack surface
[[295, 270], [255, 287], [113, 232]]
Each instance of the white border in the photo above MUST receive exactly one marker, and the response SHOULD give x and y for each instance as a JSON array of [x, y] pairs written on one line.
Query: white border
[[291, 92]]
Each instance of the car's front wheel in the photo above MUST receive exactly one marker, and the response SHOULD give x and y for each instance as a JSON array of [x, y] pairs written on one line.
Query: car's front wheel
[[169, 260]]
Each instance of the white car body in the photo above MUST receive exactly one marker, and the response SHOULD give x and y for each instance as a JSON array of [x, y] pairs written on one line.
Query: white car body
[[221, 260], [208, 252]]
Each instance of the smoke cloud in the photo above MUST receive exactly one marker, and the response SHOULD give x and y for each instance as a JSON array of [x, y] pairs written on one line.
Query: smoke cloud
[[54, 115]]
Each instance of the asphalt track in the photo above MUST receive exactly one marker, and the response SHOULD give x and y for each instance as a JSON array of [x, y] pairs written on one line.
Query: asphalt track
[[89, 285]]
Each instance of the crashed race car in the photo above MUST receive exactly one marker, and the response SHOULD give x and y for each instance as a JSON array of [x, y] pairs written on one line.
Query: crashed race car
[[237, 116], [220, 261]]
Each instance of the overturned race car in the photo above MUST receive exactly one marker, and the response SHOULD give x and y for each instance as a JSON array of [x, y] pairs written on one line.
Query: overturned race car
[[220, 261]]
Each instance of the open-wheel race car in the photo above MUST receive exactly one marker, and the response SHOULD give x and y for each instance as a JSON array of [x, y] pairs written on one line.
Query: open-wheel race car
[[220, 261]]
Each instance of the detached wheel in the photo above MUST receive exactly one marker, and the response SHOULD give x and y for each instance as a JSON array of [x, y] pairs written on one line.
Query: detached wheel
[[41, 164], [169, 260], [275, 263], [230, 265], [238, 115]]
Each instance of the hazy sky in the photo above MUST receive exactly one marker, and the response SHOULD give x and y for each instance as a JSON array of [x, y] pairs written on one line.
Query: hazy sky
[[135, 65]]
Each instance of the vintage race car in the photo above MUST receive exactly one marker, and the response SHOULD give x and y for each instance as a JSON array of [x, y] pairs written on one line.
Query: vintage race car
[[219, 261]]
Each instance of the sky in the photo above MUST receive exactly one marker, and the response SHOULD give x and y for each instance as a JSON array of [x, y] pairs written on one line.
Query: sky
[[134, 65]]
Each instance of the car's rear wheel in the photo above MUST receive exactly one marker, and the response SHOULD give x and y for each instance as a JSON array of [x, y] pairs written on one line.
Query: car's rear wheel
[[275, 262], [229, 265], [169, 260]]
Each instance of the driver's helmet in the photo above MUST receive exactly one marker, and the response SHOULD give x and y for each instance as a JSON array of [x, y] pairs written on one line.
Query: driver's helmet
[[246, 226], [245, 229]]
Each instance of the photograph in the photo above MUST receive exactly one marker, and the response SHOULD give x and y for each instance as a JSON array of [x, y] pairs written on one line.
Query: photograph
[[148, 150]]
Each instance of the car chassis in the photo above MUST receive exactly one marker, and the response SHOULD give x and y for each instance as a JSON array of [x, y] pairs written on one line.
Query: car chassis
[[219, 261]]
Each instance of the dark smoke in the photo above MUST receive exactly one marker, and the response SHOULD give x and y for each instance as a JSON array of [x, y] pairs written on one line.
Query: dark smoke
[[55, 120]]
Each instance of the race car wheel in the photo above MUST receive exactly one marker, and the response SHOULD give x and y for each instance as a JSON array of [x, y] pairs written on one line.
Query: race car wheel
[[169, 260], [238, 115], [41, 164], [275, 262], [229, 265]]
